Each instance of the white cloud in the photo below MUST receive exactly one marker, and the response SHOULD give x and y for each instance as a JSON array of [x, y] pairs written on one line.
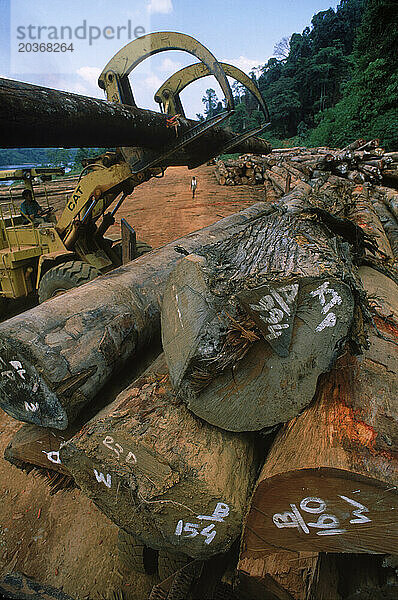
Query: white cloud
[[168, 64], [89, 74], [153, 82], [78, 88], [160, 6], [246, 64], [71, 85]]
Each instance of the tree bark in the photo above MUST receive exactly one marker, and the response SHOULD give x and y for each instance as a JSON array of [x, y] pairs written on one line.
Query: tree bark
[[390, 225], [330, 481], [57, 356], [162, 474], [310, 576], [262, 313], [18, 586], [33, 116], [364, 214]]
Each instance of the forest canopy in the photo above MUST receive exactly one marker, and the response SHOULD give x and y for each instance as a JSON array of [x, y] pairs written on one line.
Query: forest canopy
[[334, 82]]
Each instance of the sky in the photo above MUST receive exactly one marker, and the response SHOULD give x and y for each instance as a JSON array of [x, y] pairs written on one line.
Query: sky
[[243, 33]]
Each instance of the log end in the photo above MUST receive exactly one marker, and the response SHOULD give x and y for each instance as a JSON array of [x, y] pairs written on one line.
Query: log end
[[24, 393], [277, 379], [321, 510]]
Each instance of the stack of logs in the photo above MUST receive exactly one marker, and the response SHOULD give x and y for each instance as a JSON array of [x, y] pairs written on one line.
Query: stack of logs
[[271, 417], [281, 169]]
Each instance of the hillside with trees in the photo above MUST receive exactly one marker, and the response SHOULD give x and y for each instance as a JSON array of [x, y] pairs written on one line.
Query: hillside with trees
[[57, 157], [332, 83]]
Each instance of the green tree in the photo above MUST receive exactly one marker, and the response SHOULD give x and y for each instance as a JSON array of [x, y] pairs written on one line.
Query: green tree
[[239, 121], [210, 102], [369, 107]]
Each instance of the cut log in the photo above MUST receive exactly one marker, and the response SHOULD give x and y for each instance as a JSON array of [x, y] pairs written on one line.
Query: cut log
[[330, 480], [358, 165], [389, 223], [354, 145], [261, 314], [390, 199], [162, 474], [277, 181], [17, 586], [363, 214], [79, 121], [36, 450], [57, 356], [391, 173], [369, 578], [270, 194], [34, 446], [293, 149], [289, 576], [310, 576]]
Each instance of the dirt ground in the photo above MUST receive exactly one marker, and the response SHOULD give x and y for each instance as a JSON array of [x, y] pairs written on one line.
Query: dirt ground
[[64, 540], [163, 210]]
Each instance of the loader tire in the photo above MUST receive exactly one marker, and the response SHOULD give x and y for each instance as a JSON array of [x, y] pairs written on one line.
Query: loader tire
[[64, 277], [134, 555], [142, 248], [169, 563]]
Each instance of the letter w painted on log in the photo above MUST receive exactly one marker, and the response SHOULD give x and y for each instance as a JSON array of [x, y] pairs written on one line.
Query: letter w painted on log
[[101, 478]]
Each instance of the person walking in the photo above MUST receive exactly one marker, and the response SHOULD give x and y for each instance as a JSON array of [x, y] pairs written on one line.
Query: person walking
[[194, 185]]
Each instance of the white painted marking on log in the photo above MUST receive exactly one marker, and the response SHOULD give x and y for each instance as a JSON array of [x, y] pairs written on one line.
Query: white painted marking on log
[[331, 532], [177, 304], [321, 292], [8, 374], [179, 527], [191, 529], [110, 443], [312, 500], [299, 518], [328, 524], [329, 321], [220, 512], [118, 449], [275, 316], [290, 292], [209, 533], [100, 477], [31, 406], [275, 331], [358, 513], [53, 456], [281, 302], [290, 519], [336, 299], [326, 521], [18, 367], [131, 458]]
